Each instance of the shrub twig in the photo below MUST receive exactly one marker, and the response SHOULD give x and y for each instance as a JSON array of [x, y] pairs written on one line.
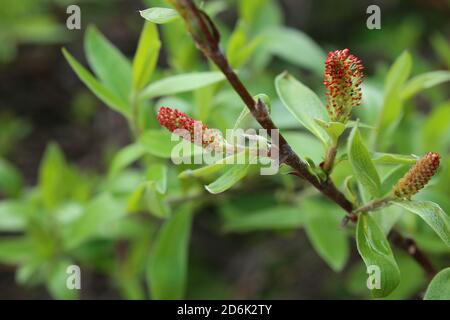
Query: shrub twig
[[207, 38]]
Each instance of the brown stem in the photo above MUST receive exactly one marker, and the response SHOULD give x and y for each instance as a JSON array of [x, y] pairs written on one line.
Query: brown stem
[[207, 40], [410, 246]]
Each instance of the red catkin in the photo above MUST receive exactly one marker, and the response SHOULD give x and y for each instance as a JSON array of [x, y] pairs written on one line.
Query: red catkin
[[173, 120], [343, 78]]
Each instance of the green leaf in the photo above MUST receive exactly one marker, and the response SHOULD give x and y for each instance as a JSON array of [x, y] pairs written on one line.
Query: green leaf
[[246, 112], [146, 56], [302, 102], [57, 281], [151, 190], [228, 179], [424, 81], [439, 287], [362, 166], [15, 250], [334, 129], [155, 201], [432, 214], [207, 170], [392, 178], [158, 174], [436, 131], [441, 47], [181, 83], [52, 176], [281, 217], [248, 9], [295, 47], [159, 15], [109, 64], [125, 157], [158, 143], [387, 217], [393, 104], [103, 93], [376, 251], [322, 226], [100, 216], [167, 271], [240, 48], [12, 217], [305, 145], [10, 179], [391, 158]]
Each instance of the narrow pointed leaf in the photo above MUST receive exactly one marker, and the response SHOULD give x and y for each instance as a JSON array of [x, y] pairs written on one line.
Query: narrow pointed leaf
[[432, 214], [376, 252]]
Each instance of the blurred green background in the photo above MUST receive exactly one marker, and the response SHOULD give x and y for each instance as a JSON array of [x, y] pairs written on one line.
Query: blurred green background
[[43, 103]]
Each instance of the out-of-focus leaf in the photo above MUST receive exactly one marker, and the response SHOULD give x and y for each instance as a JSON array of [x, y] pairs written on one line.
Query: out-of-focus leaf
[[376, 251], [125, 157], [393, 103], [167, 269], [10, 179], [250, 8], [240, 48], [436, 131], [52, 176], [295, 47], [12, 216], [158, 143], [281, 217], [432, 214], [392, 178], [181, 83], [148, 196], [159, 15], [439, 287], [302, 102], [424, 81], [102, 92], [97, 220], [158, 174], [146, 56], [305, 145], [322, 226], [228, 179], [57, 281], [391, 158], [442, 47], [15, 250], [109, 64], [363, 167]]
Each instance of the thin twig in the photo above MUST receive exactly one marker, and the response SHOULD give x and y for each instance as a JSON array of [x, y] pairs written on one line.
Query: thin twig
[[205, 36], [207, 39], [410, 246]]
